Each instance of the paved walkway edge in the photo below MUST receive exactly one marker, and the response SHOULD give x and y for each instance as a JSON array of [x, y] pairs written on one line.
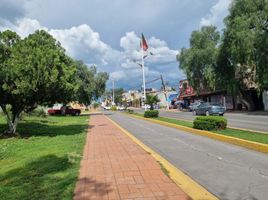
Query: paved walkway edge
[[188, 185], [232, 140]]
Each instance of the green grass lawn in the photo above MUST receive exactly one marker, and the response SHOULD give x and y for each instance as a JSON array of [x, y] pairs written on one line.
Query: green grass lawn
[[44, 162], [246, 135]]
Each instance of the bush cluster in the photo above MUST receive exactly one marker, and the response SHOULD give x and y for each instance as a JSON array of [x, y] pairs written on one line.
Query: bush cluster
[[113, 108], [38, 112], [210, 123], [151, 114], [130, 111]]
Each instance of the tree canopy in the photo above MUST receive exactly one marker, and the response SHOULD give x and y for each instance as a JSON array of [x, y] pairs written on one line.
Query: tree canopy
[[118, 95], [236, 62], [198, 62], [36, 71], [243, 57], [151, 100], [91, 85]]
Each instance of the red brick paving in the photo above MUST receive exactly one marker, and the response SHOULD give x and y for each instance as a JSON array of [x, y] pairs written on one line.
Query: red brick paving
[[114, 167]]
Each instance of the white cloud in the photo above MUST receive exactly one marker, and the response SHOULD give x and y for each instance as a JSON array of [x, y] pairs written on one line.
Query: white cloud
[[80, 42], [217, 13], [162, 54], [130, 41], [83, 43], [23, 26], [117, 75]]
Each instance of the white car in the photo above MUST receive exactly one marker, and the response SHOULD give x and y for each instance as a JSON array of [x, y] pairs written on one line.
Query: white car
[[107, 107], [146, 106], [120, 108]]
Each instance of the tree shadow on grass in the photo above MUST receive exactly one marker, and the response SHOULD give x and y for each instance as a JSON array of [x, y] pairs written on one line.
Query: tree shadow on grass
[[41, 179], [42, 128], [49, 177], [91, 189]]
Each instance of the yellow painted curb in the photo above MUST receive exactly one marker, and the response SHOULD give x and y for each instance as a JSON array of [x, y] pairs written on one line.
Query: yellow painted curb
[[231, 127], [232, 140], [188, 185]]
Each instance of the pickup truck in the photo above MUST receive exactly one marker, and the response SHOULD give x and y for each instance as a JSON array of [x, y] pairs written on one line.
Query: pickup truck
[[64, 110]]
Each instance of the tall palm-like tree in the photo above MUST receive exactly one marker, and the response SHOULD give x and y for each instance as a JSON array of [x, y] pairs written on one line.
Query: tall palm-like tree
[[151, 100]]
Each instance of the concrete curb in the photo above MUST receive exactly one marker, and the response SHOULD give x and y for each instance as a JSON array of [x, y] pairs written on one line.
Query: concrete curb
[[188, 185], [232, 140]]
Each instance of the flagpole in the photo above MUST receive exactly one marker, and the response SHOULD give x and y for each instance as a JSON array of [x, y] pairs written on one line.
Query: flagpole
[[143, 76]]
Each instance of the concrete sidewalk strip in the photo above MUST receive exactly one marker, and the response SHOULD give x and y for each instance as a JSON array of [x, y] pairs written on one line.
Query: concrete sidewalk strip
[[114, 167]]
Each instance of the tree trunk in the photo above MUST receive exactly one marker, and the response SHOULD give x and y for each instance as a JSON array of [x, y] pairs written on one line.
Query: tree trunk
[[12, 125], [234, 100], [12, 120], [247, 100]]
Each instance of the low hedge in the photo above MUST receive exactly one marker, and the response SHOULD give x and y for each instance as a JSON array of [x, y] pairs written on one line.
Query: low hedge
[[130, 111], [113, 108], [210, 123], [151, 113], [38, 112]]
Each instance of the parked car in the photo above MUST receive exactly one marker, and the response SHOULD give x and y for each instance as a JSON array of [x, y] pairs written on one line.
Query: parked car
[[107, 107], [193, 106], [64, 110], [147, 106], [209, 109], [121, 108]]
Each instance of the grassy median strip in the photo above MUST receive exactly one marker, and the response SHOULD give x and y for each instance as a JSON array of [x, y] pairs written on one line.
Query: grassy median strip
[[43, 163], [242, 134]]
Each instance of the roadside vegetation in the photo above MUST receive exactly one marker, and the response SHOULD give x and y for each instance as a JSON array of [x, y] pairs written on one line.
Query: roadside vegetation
[[151, 114], [210, 123], [36, 71], [246, 135], [43, 161], [234, 60]]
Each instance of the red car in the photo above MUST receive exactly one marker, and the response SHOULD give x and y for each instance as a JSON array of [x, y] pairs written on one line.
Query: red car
[[64, 110]]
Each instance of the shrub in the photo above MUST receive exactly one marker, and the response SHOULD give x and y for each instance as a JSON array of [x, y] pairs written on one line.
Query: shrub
[[130, 111], [113, 108], [151, 114], [39, 112], [96, 105], [210, 123]]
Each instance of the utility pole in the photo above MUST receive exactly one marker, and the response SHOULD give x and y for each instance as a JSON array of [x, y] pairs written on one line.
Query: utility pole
[[143, 77], [113, 91], [164, 88]]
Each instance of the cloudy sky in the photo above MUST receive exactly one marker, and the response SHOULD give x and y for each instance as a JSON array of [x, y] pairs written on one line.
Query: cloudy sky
[[107, 32]]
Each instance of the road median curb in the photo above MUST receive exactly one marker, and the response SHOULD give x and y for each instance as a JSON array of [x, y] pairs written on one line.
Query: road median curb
[[232, 140], [187, 184]]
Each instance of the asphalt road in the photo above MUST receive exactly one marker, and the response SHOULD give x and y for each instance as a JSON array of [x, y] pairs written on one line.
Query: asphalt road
[[228, 171], [239, 120]]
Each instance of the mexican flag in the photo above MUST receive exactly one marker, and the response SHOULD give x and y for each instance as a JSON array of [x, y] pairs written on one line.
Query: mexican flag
[[144, 44]]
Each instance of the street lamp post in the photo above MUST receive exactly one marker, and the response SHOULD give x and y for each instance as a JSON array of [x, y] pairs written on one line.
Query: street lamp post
[[113, 92], [143, 77]]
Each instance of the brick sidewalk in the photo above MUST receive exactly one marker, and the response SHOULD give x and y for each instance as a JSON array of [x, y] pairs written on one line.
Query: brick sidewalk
[[114, 167]]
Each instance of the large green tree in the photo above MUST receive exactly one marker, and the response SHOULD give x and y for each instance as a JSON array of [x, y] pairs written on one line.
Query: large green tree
[[91, 85], [100, 84], [33, 71], [118, 95], [243, 57], [199, 60]]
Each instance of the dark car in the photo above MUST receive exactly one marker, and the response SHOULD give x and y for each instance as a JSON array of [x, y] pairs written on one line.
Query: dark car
[[209, 109], [64, 110], [193, 106]]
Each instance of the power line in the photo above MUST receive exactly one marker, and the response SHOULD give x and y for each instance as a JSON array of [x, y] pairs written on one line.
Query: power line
[[147, 82]]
